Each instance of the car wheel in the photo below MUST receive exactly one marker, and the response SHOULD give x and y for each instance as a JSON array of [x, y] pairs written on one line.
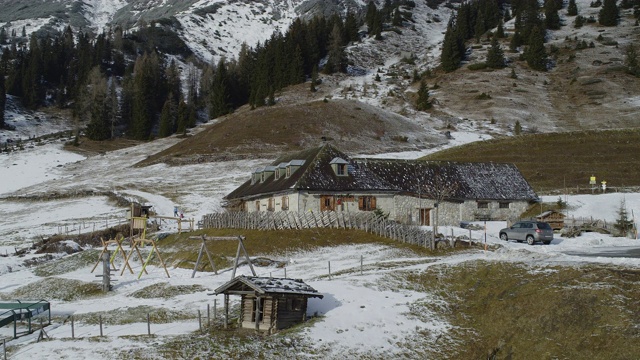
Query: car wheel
[[530, 240], [504, 237]]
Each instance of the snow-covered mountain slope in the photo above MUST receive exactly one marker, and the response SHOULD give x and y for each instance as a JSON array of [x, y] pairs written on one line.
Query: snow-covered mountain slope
[[211, 28]]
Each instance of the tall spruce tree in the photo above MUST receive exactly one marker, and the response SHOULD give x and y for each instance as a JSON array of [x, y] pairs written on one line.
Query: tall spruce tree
[[572, 8], [144, 98], [551, 17], [423, 102], [450, 57], [608, 15], [99, 126], [166, 120], [631, 60], [3, 101], [182, 118], [219, 103], [535, 54], [495, 55], [500, 30], [336, 61]]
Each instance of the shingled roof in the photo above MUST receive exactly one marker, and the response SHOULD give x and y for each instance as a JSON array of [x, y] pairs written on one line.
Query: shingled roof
[[481, 181], [315, 174], [484, 181], [268, 286]]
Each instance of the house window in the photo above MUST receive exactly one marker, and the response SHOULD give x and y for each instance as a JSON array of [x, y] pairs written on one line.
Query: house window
[[276, 175], [285, 203], [288, 172], [327, 203], [483, 205], [260, 313], [503, 205], [258, 205], [367, 203], [339, 166], [271, 205], [294, 304]]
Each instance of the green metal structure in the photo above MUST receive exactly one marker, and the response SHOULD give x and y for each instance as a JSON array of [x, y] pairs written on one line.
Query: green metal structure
[[12, 312]]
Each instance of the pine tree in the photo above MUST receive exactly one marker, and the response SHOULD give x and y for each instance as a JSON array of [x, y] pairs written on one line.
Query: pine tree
[[423, 102], [507, 15], [219, 103], [517, 128], [631, 60], [350, 27], [370, 16], [450, 57], [3, 100], [183, 118], [96, 102], [397, 17], [572, 8], [166, 120], [535, 54], [500, 30], [608, 15], [495, 55], [336, 60], [144, 98], [114, 105], [551, 17], [623, 225]]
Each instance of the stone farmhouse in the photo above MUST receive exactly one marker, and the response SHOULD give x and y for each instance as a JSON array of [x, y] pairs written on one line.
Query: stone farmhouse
[[408, 191]]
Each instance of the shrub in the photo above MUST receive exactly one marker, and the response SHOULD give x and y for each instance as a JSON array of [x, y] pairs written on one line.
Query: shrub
[[477, 66]]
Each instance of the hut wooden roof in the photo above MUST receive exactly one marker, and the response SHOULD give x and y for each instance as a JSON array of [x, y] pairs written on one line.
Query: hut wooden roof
[[267, 286]]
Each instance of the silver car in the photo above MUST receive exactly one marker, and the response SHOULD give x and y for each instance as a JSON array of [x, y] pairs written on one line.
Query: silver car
[[529, 231]]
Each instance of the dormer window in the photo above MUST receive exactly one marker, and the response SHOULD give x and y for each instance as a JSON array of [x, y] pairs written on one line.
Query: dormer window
[[339, 166], [255, 176], [292, 166]]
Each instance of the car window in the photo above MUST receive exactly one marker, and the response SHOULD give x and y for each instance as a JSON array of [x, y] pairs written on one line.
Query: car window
[[544, 225], [529, 226], [515, 226]]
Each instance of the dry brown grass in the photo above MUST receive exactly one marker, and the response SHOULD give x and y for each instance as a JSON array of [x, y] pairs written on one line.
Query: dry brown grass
[[558, 160], [91, 147], [182, 251], [351, 125], [511, 311]]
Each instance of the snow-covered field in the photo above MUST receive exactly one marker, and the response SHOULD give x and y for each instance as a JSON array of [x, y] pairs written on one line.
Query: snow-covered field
[[353, 309]]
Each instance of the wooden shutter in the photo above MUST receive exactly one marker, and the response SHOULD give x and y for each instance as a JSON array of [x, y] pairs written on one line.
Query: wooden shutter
[[361, 203], [373, 203]]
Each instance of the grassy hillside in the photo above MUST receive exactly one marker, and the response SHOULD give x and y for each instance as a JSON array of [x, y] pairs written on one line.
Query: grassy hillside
[[351, 125], [558, 160]]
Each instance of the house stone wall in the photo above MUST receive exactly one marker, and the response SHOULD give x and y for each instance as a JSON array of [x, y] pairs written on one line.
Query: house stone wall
[[452, 213], [345, 202], [402, 208]]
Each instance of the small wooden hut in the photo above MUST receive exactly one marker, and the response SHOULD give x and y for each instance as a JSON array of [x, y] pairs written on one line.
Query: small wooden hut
[[554, 218], [269, 304]]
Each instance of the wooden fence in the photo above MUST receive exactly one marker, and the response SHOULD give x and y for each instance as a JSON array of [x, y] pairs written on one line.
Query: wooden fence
[[368, 222]]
